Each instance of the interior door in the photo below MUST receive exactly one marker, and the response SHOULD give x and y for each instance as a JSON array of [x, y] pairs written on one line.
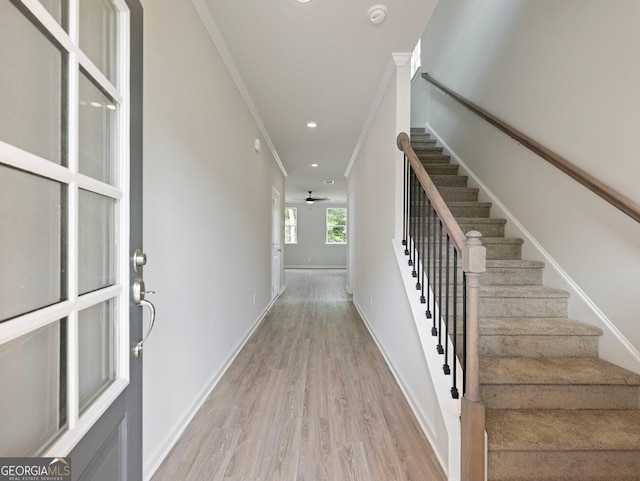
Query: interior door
[[70, 159], [276, 243]]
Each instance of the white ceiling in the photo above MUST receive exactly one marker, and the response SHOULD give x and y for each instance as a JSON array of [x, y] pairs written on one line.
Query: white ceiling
[[321, 61]]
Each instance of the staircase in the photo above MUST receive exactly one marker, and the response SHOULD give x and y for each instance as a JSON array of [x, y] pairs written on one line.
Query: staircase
[[554, 409]]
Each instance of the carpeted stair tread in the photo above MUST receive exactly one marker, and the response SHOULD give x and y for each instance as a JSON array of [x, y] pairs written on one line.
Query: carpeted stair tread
[[563, 429], [546, 371], [532, 326]]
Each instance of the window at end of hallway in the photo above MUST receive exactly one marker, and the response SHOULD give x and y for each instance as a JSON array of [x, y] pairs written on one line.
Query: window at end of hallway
[[291, 225], [336, 225], [416, 61]]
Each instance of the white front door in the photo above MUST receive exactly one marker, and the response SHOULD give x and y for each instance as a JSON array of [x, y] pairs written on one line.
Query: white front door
[[70, 71], [276, 243]]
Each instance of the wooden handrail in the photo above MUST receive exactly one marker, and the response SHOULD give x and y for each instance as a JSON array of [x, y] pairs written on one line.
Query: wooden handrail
[[440, 206], [616, 199]]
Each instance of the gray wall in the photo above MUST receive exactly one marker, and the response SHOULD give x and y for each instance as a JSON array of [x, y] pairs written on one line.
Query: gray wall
[[208, 242], [311, 249], [566, 74], [378, 289]]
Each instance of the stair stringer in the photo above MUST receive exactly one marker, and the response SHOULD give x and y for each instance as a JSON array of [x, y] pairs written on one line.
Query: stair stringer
[[614, 346], [448, 407]]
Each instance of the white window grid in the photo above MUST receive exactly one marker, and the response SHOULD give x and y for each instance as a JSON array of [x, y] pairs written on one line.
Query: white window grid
[[78, 425]]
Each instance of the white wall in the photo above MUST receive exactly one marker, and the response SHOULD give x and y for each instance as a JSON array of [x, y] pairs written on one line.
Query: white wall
[[379, 292], [566, 74], [207, 241], [311, 249]]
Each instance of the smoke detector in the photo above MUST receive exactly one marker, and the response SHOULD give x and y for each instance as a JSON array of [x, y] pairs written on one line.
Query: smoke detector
[[377, 14]]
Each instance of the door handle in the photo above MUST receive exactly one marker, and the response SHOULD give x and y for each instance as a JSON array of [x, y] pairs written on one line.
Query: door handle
[[138, 297]]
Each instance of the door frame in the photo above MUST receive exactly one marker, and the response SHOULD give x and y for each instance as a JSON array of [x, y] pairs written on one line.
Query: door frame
[[276, 243]]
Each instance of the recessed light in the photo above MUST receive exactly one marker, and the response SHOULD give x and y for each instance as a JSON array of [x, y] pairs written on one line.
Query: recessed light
[[312, 124], [96, 104], [303, 1], [314, 165]]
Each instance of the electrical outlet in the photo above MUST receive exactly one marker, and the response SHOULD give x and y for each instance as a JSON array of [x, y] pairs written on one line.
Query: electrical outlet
[[254, 299], [371, 302]]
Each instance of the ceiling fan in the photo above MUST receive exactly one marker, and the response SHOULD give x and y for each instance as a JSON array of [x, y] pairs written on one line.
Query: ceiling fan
[[311, 199]]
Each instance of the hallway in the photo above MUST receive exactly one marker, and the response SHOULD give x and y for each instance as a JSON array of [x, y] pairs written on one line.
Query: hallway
[[308, 398]]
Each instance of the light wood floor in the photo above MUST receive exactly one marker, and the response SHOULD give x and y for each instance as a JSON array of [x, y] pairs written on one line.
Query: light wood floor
[[309, 398]]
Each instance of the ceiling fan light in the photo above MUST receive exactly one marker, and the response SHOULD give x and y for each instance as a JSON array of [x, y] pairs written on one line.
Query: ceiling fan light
[[309, 202]]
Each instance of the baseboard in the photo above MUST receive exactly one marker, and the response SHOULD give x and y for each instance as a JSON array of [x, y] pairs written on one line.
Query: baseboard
[[155, 460], [314, 267], [571, 285]]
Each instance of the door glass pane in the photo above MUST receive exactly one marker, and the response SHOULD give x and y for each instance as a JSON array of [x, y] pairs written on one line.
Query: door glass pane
[[96, 242], [98, 34], [32, 210], [97, 121], [30, 87], [96, 336], [32, 398], [57, 9]]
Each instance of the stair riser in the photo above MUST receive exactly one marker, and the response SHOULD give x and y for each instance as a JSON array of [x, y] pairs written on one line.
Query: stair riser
[[498, 251], [441, 169], [560, 396], [563, 465], [487, 229], [422, 143], [495, 277], [522, 307], [471, 211], [427, 150], [511, 307], [538, 346], [460, 195], [449, 180], [503, 251], [477, 211], [434, 158]]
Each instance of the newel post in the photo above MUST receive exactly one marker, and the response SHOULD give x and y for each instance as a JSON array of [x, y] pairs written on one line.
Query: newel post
[[474, 261]]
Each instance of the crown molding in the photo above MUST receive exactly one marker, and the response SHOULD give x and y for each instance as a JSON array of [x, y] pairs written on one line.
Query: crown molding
[[221, 46], [401, 58], [382, 89]]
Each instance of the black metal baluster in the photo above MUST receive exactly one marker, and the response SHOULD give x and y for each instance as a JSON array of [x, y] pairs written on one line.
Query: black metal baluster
[[440, 349], [429, 281], [414, 221], [454, 338], [446, 367], [405, 207], [434, 230], [411, 224], [420, 253], [423, 201]]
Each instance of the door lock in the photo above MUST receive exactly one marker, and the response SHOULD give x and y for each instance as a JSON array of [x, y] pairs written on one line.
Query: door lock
[[139, 298], [139, 259]]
